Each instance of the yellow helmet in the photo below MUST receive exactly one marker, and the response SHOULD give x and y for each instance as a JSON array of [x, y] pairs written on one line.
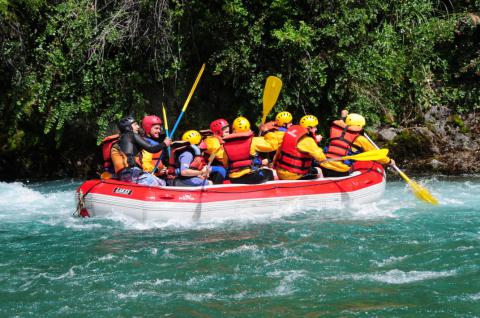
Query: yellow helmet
[[308, 121], [192, 136], [283, 118], [241, 124], [355, 120]]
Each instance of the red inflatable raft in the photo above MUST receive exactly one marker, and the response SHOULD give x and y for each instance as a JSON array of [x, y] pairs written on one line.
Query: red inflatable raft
[[144, 203]]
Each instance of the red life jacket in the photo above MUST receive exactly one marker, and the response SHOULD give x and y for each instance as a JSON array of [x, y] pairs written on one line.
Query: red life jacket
[[107, 145], [237, 147], [174, 163], [341, 139], [289, 157]]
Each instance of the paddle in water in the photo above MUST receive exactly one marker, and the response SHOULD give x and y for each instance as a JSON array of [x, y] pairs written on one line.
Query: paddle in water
[[419, 191]]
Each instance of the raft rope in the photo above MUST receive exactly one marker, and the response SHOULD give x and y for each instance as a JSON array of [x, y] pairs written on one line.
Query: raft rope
[[81, 199]]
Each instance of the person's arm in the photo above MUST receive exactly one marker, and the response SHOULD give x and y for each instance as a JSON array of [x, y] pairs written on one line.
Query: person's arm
[[194, 173], [309, 145], [142, 143], [264, 144], [366, 145], [186, 159]]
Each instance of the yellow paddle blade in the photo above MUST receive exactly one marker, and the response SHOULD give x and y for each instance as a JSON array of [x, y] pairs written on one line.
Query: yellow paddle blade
[[193, 88], [419, 191], [272, 89], [371, 155], [165, 121]]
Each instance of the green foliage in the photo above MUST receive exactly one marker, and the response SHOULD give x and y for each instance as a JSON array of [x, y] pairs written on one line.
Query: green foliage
[[3, 7], [68, 65]]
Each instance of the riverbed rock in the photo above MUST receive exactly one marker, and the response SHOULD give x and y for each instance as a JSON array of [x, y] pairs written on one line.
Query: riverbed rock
[[447, 143], [387, 134]]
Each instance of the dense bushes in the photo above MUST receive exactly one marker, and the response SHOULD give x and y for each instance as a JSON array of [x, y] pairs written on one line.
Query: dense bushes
[[81, 64]]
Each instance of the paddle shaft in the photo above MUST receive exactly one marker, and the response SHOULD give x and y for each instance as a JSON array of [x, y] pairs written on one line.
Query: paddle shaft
[[371, 155], [400, 172], [181, 114], [209, 164], [188, 100], [165, 123]]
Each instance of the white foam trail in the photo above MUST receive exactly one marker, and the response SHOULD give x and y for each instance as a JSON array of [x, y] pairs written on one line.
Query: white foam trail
[[396, 276], [190, 223], [20, 201], [199, 297], [17, 201], [389, 261], [240, 250], [17, 196]]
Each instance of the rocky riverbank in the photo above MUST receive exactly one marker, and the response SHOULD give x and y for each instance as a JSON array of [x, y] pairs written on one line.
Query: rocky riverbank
[[446, 143]]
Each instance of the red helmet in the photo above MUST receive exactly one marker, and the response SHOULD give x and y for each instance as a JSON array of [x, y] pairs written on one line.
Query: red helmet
[[217, 126], [149, 121]]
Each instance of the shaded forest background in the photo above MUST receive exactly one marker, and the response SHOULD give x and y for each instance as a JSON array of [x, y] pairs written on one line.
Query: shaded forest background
[[70, 69]]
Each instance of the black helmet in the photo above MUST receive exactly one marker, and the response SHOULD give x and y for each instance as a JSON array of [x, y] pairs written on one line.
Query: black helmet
[[125, 124]]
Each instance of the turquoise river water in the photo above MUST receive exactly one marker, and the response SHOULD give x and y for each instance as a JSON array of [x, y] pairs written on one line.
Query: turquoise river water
[[397, 257]]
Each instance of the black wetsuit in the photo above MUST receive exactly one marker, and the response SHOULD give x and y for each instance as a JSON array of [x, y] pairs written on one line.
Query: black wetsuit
[[131, 144]]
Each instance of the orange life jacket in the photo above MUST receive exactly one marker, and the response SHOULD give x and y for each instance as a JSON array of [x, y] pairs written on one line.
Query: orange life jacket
[[271, 126], [289, 157], [341, 139], [107, 145], [237, 147], [174, 163], [120, 159]]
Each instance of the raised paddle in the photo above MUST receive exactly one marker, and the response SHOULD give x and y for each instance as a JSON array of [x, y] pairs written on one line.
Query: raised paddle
[[371, 155], [165, 120], [272, 89], [188, 100], [165, 123], [419, 191]]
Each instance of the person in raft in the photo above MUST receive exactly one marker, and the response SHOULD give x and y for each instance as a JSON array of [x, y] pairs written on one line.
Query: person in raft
[[295, 158], [282, 122], [187, 164], [219, 129], [152, 126], [125, 154], [241, 147], [346, 138]]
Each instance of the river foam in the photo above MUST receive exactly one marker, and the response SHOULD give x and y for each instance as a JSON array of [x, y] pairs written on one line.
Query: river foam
[[394, 257]]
